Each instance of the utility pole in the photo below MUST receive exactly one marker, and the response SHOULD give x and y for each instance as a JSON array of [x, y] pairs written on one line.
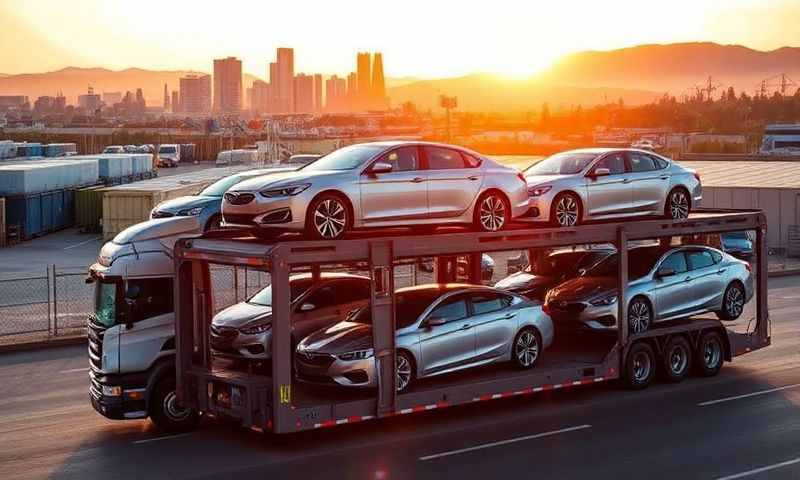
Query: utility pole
[[448, 103]]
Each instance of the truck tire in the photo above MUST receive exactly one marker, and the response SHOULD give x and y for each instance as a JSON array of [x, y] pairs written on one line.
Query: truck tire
[[709, 357], [640, 366], [677, 359], [165, 412]]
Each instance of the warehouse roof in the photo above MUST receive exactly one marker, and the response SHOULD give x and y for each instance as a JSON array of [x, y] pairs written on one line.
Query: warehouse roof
[[768, 174]]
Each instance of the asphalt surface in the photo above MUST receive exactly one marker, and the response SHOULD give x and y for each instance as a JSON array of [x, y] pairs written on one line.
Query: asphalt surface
[[745, 421]]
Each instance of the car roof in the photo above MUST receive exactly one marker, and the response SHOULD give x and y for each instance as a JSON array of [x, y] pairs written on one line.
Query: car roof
[[603, 150], [327, 276], [442, 288], [397, 143]]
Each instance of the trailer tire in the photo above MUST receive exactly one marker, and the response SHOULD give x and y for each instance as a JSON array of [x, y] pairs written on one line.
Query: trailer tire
[[709, 357], [165, 412], [640, 366], [677, 359]]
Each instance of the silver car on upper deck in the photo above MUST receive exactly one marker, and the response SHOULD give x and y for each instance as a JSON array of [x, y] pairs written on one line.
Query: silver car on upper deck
[[382, 184], [577, 186]]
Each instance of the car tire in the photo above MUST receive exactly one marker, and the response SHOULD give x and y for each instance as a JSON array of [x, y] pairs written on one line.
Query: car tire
[[404, 370], [640, 315], [732, 302], [213, 223], [328, 217], [640, 366], [566, 210], [677, 359], [678, 205], [527, 348], [165, 412], [492, 212], [710, 354]]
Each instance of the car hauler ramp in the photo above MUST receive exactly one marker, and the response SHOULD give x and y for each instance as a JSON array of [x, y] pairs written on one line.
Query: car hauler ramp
[[273, 400]]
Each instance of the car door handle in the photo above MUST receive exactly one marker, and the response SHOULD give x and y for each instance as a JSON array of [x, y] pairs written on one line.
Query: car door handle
[[721, 271], [687, 279], [465, 326], [664, 177], [417, 179], [474, 177], [509, 315], [626, 180]]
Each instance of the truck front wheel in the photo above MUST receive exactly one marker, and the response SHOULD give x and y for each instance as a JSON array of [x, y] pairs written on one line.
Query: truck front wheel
[[165, 411]]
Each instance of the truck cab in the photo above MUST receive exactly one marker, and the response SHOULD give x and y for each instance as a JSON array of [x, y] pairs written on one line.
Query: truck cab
[[131, 332]]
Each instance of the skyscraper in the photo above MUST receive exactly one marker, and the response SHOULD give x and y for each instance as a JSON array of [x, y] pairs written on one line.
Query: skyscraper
[[363, 72], [176, 102], [166, 99], [303, 93], [335, 94], [317, 92], [352, 86], [195, 94], [228, 85], [378, 96], [260, 98], [285, 80]]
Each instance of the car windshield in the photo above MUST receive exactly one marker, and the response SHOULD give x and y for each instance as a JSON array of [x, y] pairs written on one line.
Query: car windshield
[[218, 188], [565, 263], [166, 150], [640, 262], [735, 236], [105, 303], [408, 307], [264, 296], [567, 163], [346, 158]]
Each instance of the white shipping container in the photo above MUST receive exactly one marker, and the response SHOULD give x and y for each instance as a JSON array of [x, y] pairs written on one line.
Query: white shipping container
[[44, 175]]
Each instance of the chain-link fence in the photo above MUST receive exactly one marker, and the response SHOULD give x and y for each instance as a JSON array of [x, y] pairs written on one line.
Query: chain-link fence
[[25, 305]]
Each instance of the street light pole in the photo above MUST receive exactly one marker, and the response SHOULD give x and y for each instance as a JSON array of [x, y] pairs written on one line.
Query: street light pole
[[448, 103]]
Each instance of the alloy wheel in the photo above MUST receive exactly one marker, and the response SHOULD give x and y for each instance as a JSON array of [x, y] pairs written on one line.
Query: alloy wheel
[[712, 353], [492, 213], [567, 211], [639, 317], [678, 205], [734, 302], [330, 218], [527, 348], [173, 410], [403, 372], [641, 366]]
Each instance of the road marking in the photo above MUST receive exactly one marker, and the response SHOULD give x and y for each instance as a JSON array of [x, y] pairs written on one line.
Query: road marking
[[502, 442], [75, 370], [156, 439], [82, 243], [746, 395], [756, 471]]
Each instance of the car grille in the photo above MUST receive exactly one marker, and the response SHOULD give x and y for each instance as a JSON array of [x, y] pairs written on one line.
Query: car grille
[[160, 214], [239, 198], [240, 218], [314, 359], [95, 333]]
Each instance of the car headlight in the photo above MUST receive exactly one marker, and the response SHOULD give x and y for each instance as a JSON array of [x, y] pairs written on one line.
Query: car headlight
[[191, 211], [539, 190], [256, 329], [603, 301], [356, 355], [289, 191]]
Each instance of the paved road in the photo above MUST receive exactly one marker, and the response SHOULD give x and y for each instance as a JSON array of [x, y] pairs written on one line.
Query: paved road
[[48, 429]]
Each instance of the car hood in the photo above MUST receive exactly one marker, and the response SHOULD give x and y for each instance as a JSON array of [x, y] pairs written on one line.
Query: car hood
[[541, 179], [183, 203], [583, 288], [523, 281], [339, 338], [278, 180], [241, 314]]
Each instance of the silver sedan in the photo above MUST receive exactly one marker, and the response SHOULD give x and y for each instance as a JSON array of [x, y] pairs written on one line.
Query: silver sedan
[[440, 329], [664, 284], [382, 184], [577, 186]]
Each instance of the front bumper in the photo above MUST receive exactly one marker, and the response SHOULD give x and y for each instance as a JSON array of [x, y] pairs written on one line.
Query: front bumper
[[327, 369], [583, 315], [539, 207], [231, 343], [287, 214], [130, 404]]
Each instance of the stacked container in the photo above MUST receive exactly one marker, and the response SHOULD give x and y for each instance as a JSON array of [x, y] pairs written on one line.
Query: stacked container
[[89, 209], [60, 149]]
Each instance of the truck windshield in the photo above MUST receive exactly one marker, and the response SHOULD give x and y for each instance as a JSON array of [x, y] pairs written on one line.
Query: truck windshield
[[166, 150], [105, 303]]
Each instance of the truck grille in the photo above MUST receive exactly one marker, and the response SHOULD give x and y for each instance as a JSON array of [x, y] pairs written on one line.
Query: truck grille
[[235, 198], [95, 334]]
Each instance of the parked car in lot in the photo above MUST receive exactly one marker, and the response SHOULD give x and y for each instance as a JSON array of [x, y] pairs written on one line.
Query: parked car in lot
[[570, 188], [440, 329], [738, 244], [554, 268], [244, 330], [664, 284], [207, 204], [114, 149], [381, 184]]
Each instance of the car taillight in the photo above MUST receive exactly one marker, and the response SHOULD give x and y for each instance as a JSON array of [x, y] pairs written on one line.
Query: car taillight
[[697, 176], [546, 308], [748, 266], [521, 177]]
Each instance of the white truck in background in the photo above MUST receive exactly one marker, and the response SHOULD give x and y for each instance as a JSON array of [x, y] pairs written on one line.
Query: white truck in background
[[132, 328], [169, 155]]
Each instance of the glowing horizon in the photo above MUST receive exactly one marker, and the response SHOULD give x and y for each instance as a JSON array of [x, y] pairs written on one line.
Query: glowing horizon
[[419, 39]]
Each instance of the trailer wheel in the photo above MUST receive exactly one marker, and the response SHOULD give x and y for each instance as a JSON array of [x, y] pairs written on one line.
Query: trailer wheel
[[640, 366], [165, 411], [708, 358], [677, 359], [527, 348]]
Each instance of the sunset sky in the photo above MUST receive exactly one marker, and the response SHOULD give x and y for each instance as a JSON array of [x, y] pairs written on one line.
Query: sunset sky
[[423, 38]]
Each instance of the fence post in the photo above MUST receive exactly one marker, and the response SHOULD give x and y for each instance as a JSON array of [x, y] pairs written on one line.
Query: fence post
[[55, 302], [49, 321], [246, 280], [236, 284]]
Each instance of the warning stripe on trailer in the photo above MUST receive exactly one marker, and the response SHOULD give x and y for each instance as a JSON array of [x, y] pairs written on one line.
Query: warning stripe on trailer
[[442, 404]]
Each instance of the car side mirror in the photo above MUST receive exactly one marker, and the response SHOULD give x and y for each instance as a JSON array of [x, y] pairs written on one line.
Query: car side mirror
[[435, 322], [665, 272], [307, 307], [600, 172], [380, 167]]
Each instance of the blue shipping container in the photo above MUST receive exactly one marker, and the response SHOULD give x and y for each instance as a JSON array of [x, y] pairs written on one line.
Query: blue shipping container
[[40, 213]]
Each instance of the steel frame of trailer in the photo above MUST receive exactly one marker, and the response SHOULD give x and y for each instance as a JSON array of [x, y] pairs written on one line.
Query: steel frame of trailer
[[261, 402]]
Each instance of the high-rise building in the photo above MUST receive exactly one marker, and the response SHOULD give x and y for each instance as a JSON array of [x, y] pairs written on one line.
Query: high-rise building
[[285, 83], [112, 98], [90, 102], [303, 93], [352, 85], [260, 101], [228, 85], [378, 87], [166, 99], [335, 94], [176, 101], [317, 92], [195, 94], [363, 74], [273, 88]]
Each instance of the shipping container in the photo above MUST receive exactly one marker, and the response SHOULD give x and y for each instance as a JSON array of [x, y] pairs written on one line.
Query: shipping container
[[60, 149], [187, 153], [29, 150], [34, 176], [40, 213], [89, 209]]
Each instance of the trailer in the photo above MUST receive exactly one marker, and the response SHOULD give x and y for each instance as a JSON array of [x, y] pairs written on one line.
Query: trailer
[[273, 400]]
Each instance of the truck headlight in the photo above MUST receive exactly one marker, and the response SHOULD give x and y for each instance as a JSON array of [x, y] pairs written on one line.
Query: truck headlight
[[603, 301], [289, 191], [112, 391], [191, 211], [356, 355]]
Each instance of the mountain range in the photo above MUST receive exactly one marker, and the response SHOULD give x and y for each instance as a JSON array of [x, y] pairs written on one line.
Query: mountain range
[[637, 75]]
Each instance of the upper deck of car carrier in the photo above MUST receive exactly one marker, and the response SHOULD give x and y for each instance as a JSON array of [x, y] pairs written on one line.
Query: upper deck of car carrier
[[271, 400]]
